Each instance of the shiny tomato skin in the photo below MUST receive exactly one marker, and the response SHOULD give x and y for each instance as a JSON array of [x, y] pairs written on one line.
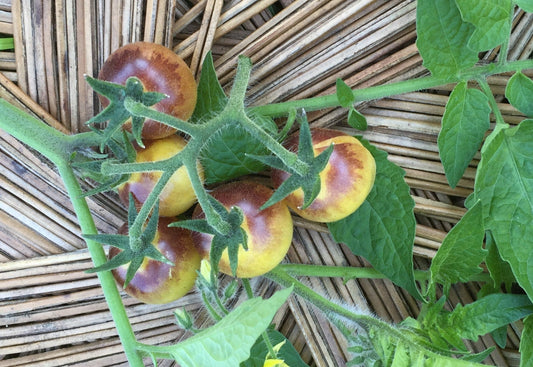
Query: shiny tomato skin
[[160, 70], [156, 282], [346, 180], [269, 231], [178, 194]]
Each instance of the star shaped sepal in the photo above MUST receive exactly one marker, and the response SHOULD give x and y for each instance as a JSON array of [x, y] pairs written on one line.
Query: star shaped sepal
[[116, 113], [232, 238], [309, 182], [134, 250]]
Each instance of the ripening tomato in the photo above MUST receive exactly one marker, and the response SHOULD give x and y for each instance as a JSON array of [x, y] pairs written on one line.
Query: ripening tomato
[[269, 231], [160, 70], [178, 194], [345, 182], [156, 282]]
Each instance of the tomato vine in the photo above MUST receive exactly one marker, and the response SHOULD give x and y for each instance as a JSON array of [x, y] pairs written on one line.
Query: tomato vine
[[484, 234]]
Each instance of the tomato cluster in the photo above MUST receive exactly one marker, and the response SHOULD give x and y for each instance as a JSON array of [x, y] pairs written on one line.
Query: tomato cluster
[[160, 70], [345, 183]]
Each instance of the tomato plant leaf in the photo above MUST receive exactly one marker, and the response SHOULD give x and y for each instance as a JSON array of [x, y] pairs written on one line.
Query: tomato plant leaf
[[441, 36], [383, 228], [380, 347], [504, 185], [464, 123], [357, 120], [287, 352], [461, 252], [519, 91], [228, 342], [228, 154], [526, 343], [526, 5], [487, 314], [499, 270], [210, 97], [344, 94], [492, 19]]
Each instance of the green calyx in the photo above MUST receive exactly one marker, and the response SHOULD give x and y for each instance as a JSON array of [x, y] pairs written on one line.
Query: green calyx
[[135, 246]]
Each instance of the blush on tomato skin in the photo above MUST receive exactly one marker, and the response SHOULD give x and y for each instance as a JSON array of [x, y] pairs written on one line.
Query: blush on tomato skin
[[346, 180], [160, 70], [269, 231], [156, 282], [178, 194]]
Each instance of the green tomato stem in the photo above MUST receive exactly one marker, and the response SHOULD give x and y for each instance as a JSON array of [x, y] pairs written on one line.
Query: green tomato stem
[[492, 101], [136, 228], [109, 287], [351, 272], [141, 110], [240, 84], [283, 278], [57, 146], [387, 90]]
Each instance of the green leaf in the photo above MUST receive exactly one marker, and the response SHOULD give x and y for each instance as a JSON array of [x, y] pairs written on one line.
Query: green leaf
[[519, 91], [383, 228], [504, 185], [488, 313], [357, 120], [499, 270], [228, 154], [442, 36], [526, 343], [465, 121], [344, 94], [228, 342], [526, 5], [211, 97], [492, 19], [379, 347], [287, 353], [462, 251]]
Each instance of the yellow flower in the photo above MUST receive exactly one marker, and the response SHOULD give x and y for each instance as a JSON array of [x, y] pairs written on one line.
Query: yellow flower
[[275, 363]]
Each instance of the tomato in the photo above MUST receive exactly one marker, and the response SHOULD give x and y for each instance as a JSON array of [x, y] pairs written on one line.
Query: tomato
[[178, 194], [345, 182], [160, 70], [157, 282], [269, 231]]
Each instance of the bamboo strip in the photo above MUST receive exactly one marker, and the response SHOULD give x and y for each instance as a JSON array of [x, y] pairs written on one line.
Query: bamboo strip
[[321, 56], [186, 48], [206, 34], [188, 17], [6, 21]]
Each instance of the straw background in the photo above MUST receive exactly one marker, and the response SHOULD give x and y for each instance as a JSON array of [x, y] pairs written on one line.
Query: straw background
[[54, 314]]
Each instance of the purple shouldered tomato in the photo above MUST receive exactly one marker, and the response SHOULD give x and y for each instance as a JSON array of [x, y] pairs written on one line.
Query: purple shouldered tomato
[[156, 282], [269, 231], [177, 195], [345, 182], [160, 70]]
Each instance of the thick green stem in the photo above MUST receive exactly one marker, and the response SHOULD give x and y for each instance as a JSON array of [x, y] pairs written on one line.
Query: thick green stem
[[350, 272], [366, 94], [109, 287], [48, 141], [57, 147], [387, 90], [281, 277]]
